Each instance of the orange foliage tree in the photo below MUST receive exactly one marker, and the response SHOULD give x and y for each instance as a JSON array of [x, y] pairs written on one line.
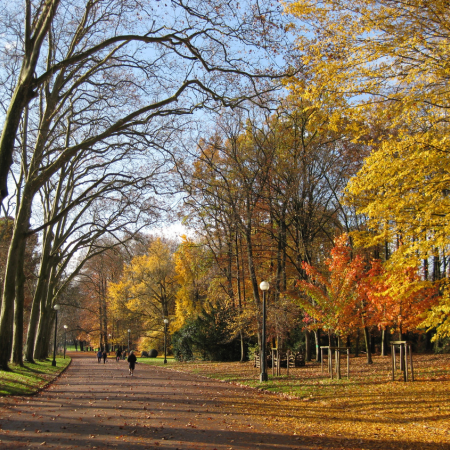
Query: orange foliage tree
[[358, 295], [331, 301], [396, 298]]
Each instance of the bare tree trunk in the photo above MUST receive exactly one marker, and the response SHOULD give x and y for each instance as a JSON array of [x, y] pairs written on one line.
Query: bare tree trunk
[[357, 343], [41, 289], [105, 312], [46, 316], [317, 336], [18, 239], [23, 92], [308, 349], [367, 342], [279, 270], [241, 339], [32, 329], [284, 254], [44, 334], [17, 351], [238, 279], [251, 268], [383, 342]]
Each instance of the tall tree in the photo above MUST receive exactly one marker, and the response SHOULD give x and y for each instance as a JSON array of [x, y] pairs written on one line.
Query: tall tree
[[90, 95], [385, 63], [193, 266], [146, 292], [187, 48]]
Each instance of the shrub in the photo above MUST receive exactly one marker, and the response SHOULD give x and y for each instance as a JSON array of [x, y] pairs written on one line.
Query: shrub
[[206, 337]]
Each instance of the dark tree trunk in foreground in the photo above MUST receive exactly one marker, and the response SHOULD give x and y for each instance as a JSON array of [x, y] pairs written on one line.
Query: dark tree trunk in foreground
[[46, 320], [17, 356], [41, 289], [14, 264], [36, 30]]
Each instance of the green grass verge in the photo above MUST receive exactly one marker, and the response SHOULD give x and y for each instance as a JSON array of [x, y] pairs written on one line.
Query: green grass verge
[[159, 361], [30, 378]]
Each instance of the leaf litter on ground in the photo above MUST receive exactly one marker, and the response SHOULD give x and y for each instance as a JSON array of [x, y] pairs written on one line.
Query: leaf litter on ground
[[368, 410]]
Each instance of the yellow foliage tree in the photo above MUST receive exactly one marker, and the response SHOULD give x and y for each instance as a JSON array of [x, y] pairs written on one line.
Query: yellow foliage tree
[[192, 265], [386, 63], [146, 293], [361, 53]]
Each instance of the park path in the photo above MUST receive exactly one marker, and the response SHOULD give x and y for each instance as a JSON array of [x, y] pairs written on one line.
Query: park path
[[100, 406]]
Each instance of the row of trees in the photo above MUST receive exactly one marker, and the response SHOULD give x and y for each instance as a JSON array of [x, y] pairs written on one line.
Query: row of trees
[[373, 86], [97, 97], [359, 147], [264, 197], [381, 64], [93, 96]]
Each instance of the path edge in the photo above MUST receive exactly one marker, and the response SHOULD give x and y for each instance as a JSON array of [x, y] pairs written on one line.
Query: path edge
[[50, 382]]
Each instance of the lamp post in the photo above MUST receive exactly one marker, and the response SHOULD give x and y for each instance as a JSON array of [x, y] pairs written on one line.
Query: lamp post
[[65, 333], [128, 348], [166, 321], [110, 346], [56, 308], [264, 286]]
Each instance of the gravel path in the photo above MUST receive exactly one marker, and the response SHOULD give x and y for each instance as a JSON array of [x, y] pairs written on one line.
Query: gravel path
[[100, 406]]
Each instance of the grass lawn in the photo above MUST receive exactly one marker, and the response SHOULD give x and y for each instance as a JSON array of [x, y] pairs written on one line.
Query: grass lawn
[[159, 361], [367, 411], [29, 379]]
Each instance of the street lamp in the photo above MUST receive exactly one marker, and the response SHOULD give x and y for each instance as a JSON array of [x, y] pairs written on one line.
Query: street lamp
[[128, 348], [166, 321], [264, 286], [56, 308], [65, 332], [110, 346]]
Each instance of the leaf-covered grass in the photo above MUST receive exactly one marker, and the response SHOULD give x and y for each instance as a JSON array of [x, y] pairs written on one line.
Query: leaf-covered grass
[[369, 407], [309, 380], [30, 378]]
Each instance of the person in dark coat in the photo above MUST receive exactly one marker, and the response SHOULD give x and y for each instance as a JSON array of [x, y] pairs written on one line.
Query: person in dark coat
[[118, 354], [99, 355], [104, 355], [132, 362]]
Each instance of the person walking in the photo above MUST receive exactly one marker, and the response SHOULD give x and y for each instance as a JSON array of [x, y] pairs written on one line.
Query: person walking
[[99, 355], [118, 354], [104, 355], [131, 362]]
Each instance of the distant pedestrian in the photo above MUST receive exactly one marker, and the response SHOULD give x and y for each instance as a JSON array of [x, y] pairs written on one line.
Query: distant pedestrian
[[99, 355], [132, 362], [118, 354], [104, 355]]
